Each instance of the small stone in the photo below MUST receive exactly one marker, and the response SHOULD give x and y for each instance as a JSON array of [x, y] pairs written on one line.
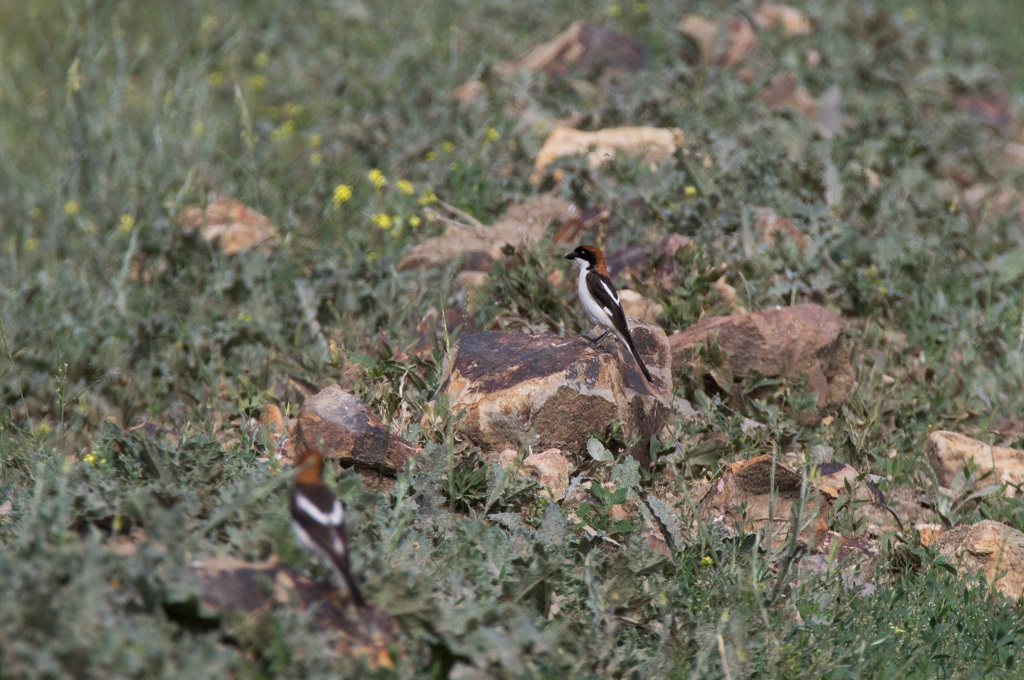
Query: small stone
[[552, 470], [341, 427], [652, 144], [755, 494], [233, 226], [992, 548], [950, 452]]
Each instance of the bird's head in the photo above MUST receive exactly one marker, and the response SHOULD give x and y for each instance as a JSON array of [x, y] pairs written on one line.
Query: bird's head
[[589, 258], [311, 466]]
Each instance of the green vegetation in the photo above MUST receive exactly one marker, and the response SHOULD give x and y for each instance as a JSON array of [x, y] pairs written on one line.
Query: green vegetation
[[116, 115]]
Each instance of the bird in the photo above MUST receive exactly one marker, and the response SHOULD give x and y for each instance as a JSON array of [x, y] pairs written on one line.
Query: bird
[[601, 302], [318, 519]]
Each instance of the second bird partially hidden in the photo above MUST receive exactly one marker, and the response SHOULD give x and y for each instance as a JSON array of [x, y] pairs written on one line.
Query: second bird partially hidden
[[318, 519]]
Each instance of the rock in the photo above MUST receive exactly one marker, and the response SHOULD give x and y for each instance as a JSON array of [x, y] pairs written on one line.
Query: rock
[[231, 225], [728, 295], [851, 557], [789, 20], [927, 532], [343, 428], [992, 548], [703, 33], [905, 503], [769, 225], [547, 392], [636, 306], [742, 500], [588, 49], [784, 93], [652, 144], [581, 221], [742, 39], [550, 469], [799, 344], [231, 588], [272, 420], [950, 452], [479, 246]]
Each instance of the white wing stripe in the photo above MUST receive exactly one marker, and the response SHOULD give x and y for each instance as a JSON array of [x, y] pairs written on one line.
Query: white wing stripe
[[610, 292], [334, 519]]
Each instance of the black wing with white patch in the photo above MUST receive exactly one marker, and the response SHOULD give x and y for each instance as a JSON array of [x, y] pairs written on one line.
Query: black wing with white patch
[[603, 290], [319, 519]]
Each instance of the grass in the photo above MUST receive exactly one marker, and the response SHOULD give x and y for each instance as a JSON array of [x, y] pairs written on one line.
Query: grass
[[115, 115]]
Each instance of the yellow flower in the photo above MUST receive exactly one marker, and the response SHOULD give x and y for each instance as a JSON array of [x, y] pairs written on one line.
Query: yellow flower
[[90, 458], [430, 155], [316, 159], [210, 24], [215, 79], [35, 213], [614, 11], [705, 561], [690, 190], [257, 82], [427, 197], [405, 187], [282, 132], [342, 193], [447, 147], [243, 317], [71, 208], [377, 178], [125, 225], [292, 110], [414, 221], [197, 128], [31, 244], [261, 60], [43, 430], [315, 141], [382, 220], [491, 135]]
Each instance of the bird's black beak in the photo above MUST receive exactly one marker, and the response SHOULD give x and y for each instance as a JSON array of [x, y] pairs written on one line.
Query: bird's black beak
[[570, 256]]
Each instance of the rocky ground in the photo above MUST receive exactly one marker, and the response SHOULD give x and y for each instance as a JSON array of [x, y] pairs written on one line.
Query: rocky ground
[[232, 231]]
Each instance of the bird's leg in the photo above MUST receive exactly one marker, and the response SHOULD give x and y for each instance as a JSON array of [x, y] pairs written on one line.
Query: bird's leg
[[596, 342]]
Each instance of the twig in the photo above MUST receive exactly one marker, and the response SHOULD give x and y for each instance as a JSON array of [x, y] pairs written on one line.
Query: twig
[[464, 215]]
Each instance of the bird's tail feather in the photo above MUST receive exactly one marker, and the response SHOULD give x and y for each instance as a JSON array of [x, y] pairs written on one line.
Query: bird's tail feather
[[627, 340]]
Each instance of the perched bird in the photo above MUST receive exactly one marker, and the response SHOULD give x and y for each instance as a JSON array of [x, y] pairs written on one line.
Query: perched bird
[[597, 293], [319, 520]]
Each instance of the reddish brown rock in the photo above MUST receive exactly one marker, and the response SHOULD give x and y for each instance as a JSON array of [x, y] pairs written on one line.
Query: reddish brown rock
[[802, 344], [233, 589], [230, 224], [992, 548], [343, 428], [770, 225], [950, 452], [548, 392]]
